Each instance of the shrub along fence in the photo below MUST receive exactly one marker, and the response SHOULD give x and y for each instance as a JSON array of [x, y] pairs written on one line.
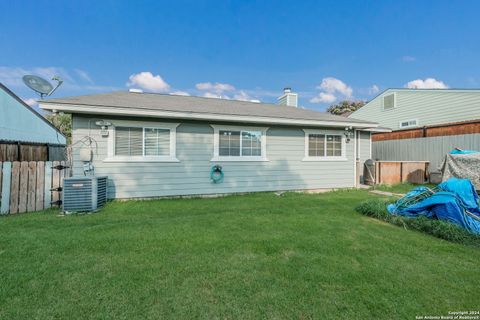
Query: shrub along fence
[[31, 185]]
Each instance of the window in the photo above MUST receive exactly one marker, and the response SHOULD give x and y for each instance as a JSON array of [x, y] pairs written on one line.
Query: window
[[229, 143], [408, 123], [389, 101], [128, 141], [239, 144], [316, 145], [324, 146], [138, 143], [334, 146], [156, 142]]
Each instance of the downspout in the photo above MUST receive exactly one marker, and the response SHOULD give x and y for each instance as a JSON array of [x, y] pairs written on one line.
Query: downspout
[[354, 158]]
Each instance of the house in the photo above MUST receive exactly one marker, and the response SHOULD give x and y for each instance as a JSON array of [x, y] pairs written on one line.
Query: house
[[425, 123], [25, 135], [153, 145]]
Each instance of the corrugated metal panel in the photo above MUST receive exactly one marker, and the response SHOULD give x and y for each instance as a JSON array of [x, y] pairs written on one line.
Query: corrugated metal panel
[[431, 149], [18, 123]]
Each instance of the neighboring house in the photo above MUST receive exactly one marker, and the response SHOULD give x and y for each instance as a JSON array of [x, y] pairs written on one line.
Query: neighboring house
[[24, 133], [152, 145], [425, 123]]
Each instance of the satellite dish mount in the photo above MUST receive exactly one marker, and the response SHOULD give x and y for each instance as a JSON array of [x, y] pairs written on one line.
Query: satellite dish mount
[[40, 85]]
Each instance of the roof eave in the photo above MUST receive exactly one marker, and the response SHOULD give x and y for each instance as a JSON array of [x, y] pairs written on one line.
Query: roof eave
[[140, 112], [377, 129]]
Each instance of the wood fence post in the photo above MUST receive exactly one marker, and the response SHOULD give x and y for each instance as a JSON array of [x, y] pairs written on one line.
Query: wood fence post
[[39, 188], [22, 196], [48, 185], [6, 179], [32, 184], [14, 187], [55, 181]]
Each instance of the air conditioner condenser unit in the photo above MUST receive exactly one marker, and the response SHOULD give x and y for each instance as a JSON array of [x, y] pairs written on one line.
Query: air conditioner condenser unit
[[84, 193]]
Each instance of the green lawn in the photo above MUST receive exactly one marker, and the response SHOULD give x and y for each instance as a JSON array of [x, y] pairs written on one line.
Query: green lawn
[[400, 188], [297, 256]]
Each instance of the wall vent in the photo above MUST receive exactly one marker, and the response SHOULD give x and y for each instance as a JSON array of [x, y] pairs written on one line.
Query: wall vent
[[84, 194], [389, 101]]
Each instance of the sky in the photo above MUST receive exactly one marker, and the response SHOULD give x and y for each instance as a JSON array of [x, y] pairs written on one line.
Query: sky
[[326, 51]]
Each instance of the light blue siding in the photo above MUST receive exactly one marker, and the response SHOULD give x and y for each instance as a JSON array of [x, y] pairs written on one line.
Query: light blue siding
[[285, 169], [363, 151], [364, 144], [17, 123], [428, 107]]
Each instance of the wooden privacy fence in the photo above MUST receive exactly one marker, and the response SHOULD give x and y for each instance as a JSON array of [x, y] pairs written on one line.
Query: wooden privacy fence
[[392, 172], [27, 151], [30, 185]]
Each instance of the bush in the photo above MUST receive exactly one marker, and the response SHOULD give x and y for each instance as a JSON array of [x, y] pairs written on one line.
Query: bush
[[377, 208]]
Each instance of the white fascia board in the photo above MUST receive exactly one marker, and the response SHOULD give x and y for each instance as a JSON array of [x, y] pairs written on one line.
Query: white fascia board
[[198, 116], [377, 129]]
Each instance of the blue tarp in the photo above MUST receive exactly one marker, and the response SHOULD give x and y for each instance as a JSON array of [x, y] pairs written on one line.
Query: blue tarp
[[455, 151], [449, 204]]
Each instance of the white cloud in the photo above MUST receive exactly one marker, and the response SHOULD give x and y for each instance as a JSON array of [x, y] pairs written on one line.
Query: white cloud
[[331, 89], [224, 91], [408, 59], [83, 75], [323, 97], [146, 80], [428, 83], [333, 85], [30, 101], [373, 89], [215, 87], [12, 77], [215, 95], [242, 96], [180, 93]]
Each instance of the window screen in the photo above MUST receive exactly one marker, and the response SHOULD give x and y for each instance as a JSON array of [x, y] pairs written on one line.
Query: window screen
[[251, 143], [334, 146], [229, 143], [321, 145], [316, 145], [157, 142], [240, 143], [128, 141]]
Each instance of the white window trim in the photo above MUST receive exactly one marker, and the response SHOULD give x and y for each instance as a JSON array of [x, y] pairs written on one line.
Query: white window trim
[[343, 157], [111, 157], [412, 126], [394, 101], [216, 143]]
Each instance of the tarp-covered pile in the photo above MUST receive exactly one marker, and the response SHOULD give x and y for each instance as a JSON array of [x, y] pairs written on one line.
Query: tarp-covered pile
[[463, 164], [455, 201]]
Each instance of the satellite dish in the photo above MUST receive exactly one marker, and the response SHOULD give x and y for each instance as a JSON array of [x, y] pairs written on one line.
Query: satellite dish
[[40, 85]]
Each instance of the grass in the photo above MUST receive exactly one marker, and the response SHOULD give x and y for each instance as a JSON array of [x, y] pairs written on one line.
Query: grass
[[399, 188], [255, 256], [377, 208]]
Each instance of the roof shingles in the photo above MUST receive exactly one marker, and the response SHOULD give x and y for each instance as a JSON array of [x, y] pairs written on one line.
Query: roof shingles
[[191, 104]]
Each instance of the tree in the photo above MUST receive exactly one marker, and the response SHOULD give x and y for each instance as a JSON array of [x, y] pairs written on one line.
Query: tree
[[62, 122], [345, 108]]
